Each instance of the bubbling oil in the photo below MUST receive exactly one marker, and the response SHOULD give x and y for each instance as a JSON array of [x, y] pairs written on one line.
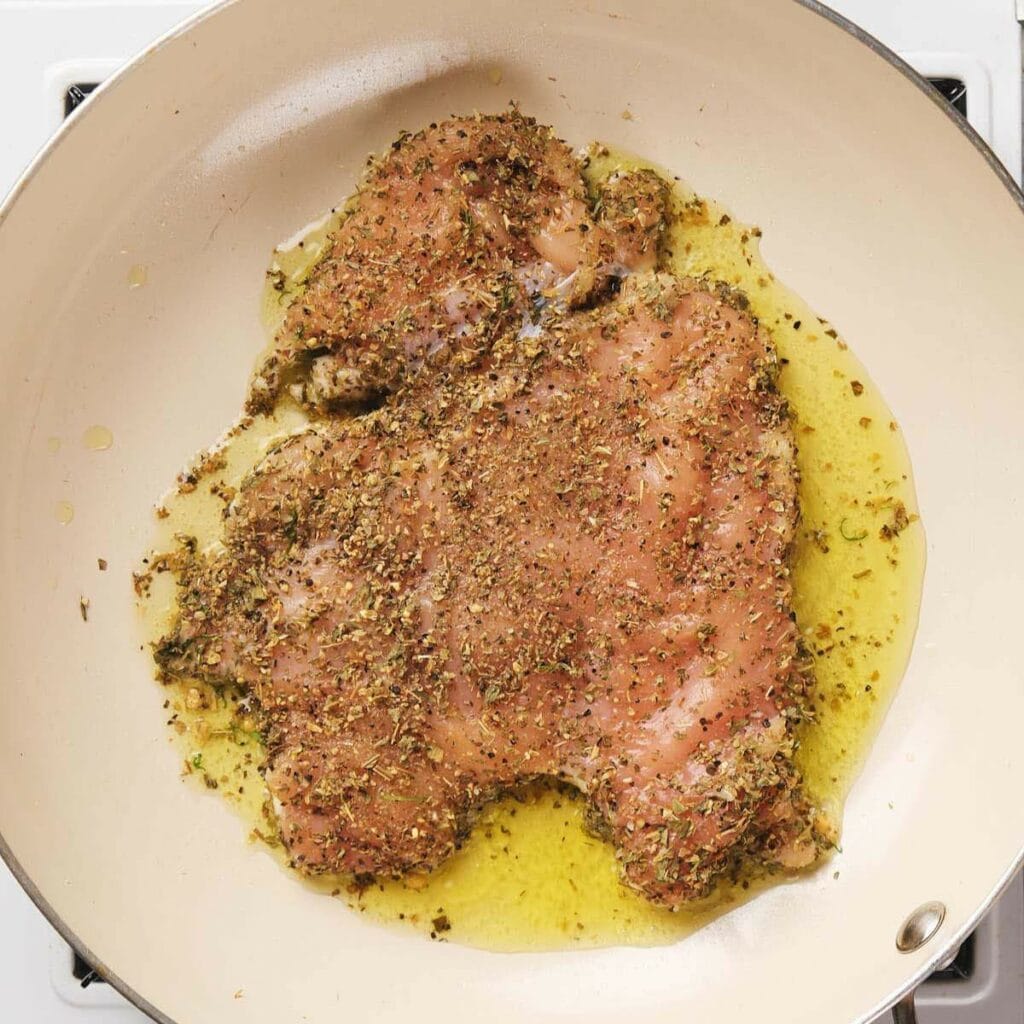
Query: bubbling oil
[[531, 876]]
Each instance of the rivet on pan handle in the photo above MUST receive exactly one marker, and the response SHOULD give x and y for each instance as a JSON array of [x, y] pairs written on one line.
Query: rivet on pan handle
[[920, 926], [916, 930]]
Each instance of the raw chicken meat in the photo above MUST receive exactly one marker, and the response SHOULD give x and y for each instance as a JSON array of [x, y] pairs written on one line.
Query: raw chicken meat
[[557, 548], [458, 232]]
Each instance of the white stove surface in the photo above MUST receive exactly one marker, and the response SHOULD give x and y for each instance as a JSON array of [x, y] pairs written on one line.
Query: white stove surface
[[48, 45]]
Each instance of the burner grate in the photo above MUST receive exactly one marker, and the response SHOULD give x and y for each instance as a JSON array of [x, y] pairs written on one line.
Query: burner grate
[[77, 94], [953, 91], [960, 968], [84, 973]]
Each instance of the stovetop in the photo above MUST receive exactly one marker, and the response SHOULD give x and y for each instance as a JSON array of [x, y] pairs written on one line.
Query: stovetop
[[54, 52]]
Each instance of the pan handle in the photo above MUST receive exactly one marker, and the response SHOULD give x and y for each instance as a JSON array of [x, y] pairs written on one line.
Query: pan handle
[[904, 1012]]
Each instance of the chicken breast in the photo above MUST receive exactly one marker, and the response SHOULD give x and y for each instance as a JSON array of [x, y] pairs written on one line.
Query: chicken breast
[[565, 557], [458, 232]]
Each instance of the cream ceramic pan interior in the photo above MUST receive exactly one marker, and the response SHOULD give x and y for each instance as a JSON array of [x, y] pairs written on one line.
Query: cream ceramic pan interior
[[227, 138]]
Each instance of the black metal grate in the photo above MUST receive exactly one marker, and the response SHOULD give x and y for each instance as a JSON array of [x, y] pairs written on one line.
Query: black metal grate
[[77, 94], [84, 973], [953, 91], [961, 967]]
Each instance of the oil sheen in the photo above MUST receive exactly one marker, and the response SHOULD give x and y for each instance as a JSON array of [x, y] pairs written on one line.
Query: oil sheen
[[531, 876]]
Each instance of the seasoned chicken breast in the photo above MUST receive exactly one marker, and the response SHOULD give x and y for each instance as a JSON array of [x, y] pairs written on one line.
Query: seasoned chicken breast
[[565, 556], [459, 232]]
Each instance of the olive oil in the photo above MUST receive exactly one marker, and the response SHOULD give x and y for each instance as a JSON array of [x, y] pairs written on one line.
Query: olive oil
[[531, 876]]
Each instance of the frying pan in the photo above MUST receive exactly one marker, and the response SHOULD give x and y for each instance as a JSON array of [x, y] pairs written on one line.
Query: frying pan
[[880, 208]]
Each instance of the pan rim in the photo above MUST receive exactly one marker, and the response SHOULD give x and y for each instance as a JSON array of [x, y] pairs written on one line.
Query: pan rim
[[186, 26]]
